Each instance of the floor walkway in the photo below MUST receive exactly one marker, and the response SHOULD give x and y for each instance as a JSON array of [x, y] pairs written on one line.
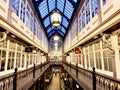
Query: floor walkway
[[55, 83]]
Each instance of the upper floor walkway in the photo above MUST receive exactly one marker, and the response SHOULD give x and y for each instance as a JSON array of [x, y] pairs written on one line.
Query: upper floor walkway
[[29, 78]]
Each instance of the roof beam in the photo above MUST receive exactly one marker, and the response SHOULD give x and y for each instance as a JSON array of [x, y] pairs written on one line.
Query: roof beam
[[48, 10]]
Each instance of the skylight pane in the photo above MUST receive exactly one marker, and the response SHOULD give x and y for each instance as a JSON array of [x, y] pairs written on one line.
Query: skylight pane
[[51, 4], [69, 9], [63, 30], [61, 33], [43, 9], [68, 14], [60, 7], [59, 27], [69, 4], [75, 1], [65, 22], [51, 7], [60, 3], [48, 30], [47, 22]]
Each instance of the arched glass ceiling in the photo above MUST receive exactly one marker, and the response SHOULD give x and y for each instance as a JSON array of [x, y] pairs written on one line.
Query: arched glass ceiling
[[67, 8]]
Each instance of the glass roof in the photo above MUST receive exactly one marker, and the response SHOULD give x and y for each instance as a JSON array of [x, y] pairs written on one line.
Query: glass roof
[[66, 8]]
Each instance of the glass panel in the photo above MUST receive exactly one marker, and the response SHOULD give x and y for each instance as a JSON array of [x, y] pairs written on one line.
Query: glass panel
[[87, 60], [94, 7], [11, 60], [47, 21], [48, 30], [60, 5], [63, 30], [43, 9], [80, 23], [91, 60], [98, 60], [65, 22], [87, 14], [107, 60], [2, 60], [15, 6], [97, 46], [18, 58], [22, 12], [23, 57], [12, 45], [19, 47], [83, 20]]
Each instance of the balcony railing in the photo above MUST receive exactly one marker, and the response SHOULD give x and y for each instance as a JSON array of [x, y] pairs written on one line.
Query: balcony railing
[[88, 80], [92, 79], [19, 80]]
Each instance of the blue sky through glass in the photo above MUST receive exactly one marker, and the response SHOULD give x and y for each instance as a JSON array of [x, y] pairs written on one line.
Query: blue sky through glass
[[66, 9]]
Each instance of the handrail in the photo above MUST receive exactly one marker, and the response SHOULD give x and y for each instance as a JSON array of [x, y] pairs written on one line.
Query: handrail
[[101, 80], [7, 81]]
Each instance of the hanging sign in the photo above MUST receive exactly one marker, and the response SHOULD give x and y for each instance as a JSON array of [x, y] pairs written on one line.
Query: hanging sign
[[77, 51]]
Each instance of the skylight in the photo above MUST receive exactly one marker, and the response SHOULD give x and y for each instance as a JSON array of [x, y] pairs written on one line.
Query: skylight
[[66, 9]]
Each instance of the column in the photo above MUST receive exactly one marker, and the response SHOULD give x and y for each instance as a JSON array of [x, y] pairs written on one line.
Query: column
[[7, 54]]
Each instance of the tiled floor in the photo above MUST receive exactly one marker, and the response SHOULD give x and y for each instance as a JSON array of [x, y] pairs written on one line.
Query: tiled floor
[[55, 83]]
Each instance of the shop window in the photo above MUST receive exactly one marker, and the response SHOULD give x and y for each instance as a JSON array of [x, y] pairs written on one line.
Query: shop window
[[2, 60], [23, 59], [107, 60], [98, 60], [91, 56], [27, 60], [12, 45], [87, 58], [18, 47], [11, 60], [18, 58], [91, 59], [80, 61], [98, 55]]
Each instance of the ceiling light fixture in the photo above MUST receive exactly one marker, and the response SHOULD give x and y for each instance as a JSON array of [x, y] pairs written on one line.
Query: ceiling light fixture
[[56, 18]]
